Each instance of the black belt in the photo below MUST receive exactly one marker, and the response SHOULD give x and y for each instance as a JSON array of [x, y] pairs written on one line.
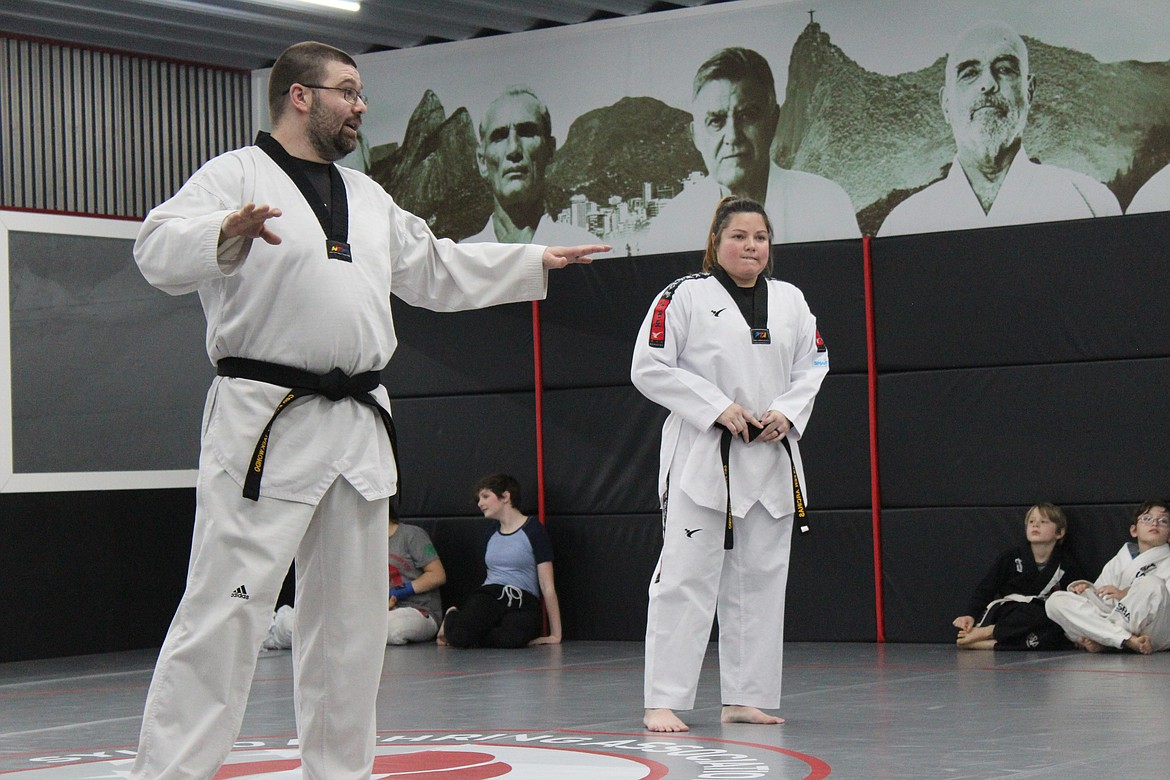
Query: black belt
[[725, 455], [335, 385]]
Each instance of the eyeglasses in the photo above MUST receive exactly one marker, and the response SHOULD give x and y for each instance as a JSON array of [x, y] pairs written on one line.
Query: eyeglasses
[[1151, 520], [348, 94]]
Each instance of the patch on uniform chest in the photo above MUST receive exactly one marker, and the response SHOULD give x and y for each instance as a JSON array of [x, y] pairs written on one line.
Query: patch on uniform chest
[[339, 250]]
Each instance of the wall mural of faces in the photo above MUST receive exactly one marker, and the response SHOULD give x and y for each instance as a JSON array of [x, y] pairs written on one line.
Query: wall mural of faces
[[843, 118]]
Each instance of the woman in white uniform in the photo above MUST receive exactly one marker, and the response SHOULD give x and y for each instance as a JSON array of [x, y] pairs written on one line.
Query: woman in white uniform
[[736, 358]]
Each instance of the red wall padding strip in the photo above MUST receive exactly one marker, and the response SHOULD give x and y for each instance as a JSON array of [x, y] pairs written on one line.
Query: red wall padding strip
[[875, 485]]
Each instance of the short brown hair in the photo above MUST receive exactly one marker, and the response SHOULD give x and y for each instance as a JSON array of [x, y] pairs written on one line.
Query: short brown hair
[[300, 63], [500, 484], [1050, 512]]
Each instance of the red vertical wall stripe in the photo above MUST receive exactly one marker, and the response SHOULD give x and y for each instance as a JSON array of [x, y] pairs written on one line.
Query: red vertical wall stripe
[[874, 484]]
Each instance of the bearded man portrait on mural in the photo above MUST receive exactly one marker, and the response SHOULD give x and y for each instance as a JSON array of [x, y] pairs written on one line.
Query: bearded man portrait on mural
[[986, 99]]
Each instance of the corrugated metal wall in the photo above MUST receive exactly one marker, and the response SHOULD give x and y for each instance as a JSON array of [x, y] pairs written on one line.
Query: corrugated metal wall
[[100, 133]]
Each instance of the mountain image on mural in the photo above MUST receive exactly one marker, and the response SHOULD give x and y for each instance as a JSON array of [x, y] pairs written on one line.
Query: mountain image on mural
[[617, 149], [880, 137], [433, 173], [610, 151], [884, 137]]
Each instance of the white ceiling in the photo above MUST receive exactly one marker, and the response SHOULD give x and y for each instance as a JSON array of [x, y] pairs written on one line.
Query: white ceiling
[[249, 34]]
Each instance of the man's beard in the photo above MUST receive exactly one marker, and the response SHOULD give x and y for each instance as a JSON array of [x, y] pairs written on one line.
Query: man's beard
[[330, 144], [990, 132]]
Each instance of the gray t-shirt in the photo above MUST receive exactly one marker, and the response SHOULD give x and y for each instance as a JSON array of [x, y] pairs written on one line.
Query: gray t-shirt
[[410, 551]]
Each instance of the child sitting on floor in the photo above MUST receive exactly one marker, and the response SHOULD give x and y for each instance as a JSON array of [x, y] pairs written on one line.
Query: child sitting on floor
[[1128, 606], [1010, 599]]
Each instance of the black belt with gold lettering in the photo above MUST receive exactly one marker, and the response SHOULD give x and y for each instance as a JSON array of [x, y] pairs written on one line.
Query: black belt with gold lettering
[[335, 385], [725, 455]]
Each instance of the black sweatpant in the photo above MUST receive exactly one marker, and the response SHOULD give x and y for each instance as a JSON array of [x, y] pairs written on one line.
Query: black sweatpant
[[493, 617]]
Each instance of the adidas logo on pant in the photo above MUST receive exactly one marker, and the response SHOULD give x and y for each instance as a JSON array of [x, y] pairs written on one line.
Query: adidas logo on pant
[[240, 593]]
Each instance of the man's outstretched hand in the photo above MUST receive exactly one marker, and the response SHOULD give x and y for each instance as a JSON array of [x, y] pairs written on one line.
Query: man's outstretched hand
[[560, 256]]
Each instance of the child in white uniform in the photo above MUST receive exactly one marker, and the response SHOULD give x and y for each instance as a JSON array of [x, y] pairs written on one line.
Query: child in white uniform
[[1127, 607]]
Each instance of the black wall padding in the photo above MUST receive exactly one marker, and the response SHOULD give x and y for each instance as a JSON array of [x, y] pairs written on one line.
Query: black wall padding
[[1018, 364], [1076, 433], [91, 572], [933, 558], [831, 276], [603, 568], [835, 447], [601, 451], [592, 314], [443, 353], [1048, 293], [830, 580], [446, 443]]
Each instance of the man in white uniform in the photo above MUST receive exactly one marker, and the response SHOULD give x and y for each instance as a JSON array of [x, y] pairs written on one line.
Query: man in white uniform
[[1128, 606], [734, 116], [516, 145], [297, 442], [986, 98]]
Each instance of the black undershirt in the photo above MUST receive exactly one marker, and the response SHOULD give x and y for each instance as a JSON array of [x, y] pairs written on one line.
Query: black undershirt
[[332, 211], [744, 297], [318, 175]]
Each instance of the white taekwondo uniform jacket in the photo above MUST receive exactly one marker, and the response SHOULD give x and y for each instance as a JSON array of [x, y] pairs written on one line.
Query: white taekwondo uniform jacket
[[707, 361], [292, 304]]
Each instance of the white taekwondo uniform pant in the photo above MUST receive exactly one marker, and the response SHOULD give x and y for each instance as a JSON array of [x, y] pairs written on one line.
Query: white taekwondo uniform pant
[[1145, 611], [196, 700], [748, 582], [407, 624], [403, 626]]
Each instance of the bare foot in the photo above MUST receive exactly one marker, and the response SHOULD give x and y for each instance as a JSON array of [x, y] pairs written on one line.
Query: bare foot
[[1139, 644], [977, 634], [736, 713], [440, 638], [662, 719], [1088, 645]]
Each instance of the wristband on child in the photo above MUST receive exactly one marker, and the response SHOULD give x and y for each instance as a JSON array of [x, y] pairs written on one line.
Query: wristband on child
[[403, 591]]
